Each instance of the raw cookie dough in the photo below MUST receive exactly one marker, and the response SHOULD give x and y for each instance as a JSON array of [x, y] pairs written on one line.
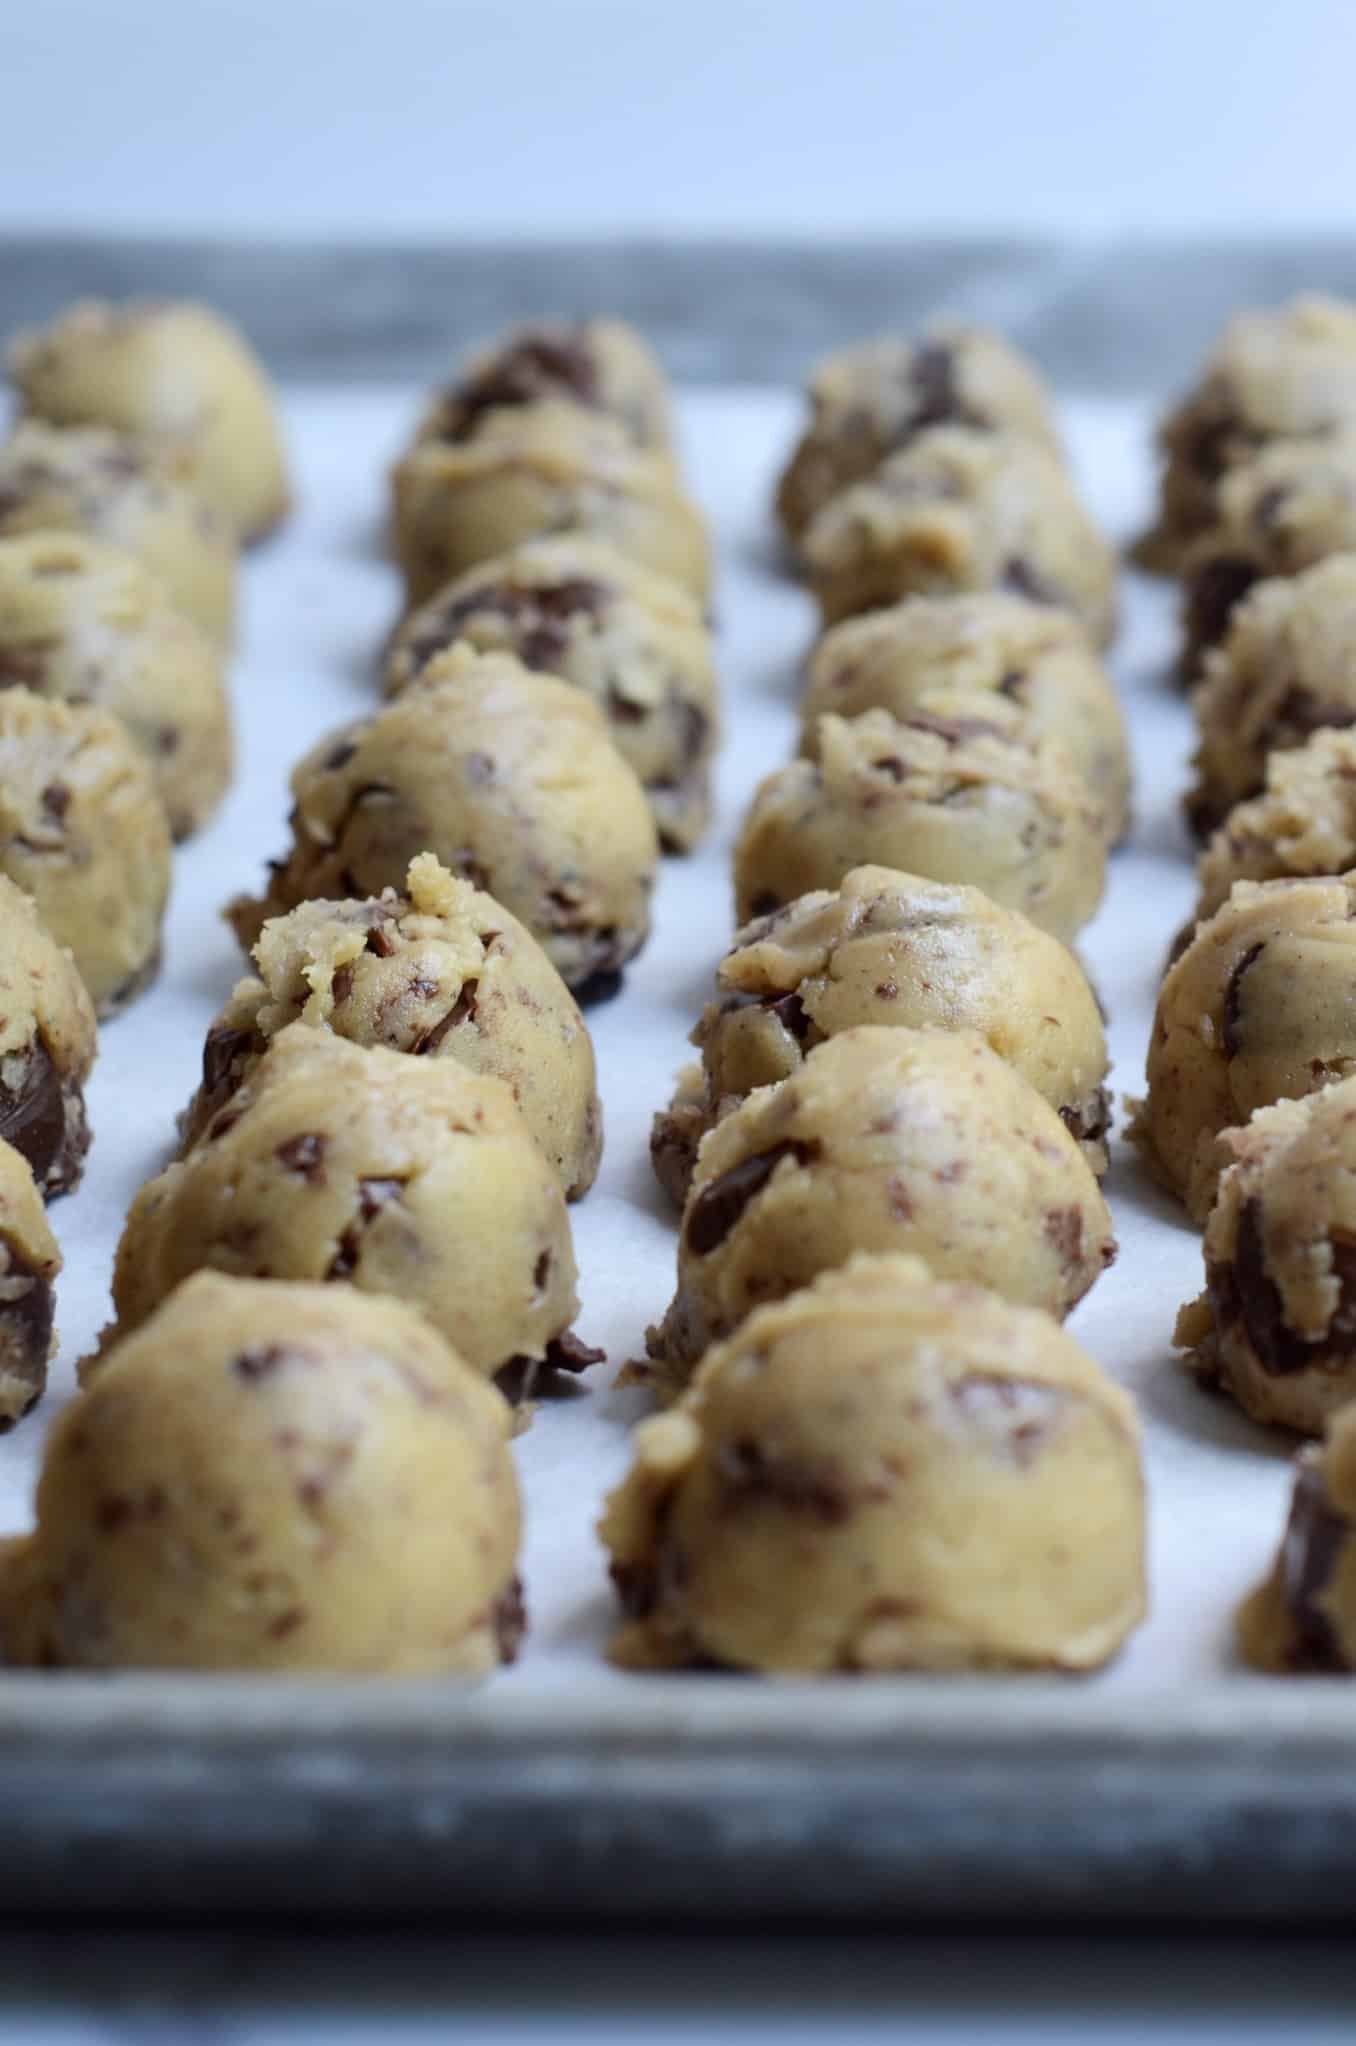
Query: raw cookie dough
[[1276, 373], [47, 1047], [511, 780], [83, 832], [87, 479], [1259, 1007], [29, 1263], [1276, 1325], [439, 971], [1285, 669], [273, 1477], [892, 949], [1303, 1617], [1040, 661], [1303, 822], [883, 1139], [86, 623], [872, 399], [603, 365], [1288, 509], [884, 1472], [962, 797], [172, 372], [546, 468], [412, 1177], [962, 510], [636, 642]]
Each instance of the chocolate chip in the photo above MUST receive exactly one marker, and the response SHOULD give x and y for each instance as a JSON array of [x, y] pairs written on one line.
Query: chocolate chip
[[747, 1471], [1268, 507], [1064, 1233], [304, 1154], [1231, 1015], [637, 1587], [1315, 1536], [341, 987], [953, 730], [510, 1621], [56, 801], [44, 1119], [541, 1271], [1243, 1294], [463, 1010], [479, 769], [893, 769], [26, 1313], [378, 940], [259, 1360], [719, 1205], [1212, 593], [567, 1353], [932, 375], [764, 903], [373, 1196], [532, 367], [1300, 714], [598, 987], [539, 617], [22, 667], [1089, 1123], [1015, 1415], [286, 1623], [1025, 581], [622, 710], [339, 756]]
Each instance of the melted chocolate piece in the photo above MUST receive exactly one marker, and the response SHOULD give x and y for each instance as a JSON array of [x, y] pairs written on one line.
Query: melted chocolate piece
[[719, 1205], [1315, 1535], [45, 1122], [27, 1304]]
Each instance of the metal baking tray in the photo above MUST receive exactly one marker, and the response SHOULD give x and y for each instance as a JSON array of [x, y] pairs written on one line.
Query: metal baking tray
[[1174, 1783]]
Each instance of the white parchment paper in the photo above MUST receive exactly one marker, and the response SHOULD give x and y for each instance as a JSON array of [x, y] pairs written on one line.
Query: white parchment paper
[[317, 603]]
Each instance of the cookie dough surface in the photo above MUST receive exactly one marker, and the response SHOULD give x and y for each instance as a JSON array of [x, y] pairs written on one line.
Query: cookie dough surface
[[1276, 374], [870, 400], [334, 1161], [962, 510], [83, 833], [439, 970], [890, 949], [511, 781], [83, 622], [1302, 823], [1260, 1007], [601, 365], [172, 372], [884, 1472], [29, 1264], [957, 795], [1302, 1619], [636, 643], [907, 656], [1276, 1325], [47, 1045], [87, 479], [1285, 669], [536, 470], [884, 1139], [278, 1478]]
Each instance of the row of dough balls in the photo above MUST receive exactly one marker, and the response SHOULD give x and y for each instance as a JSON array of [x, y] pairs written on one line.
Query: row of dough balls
[[888, 1155], [1249, 1109], [958, 722]]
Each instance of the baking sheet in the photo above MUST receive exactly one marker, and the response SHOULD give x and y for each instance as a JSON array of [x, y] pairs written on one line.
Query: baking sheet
[[317, 602]]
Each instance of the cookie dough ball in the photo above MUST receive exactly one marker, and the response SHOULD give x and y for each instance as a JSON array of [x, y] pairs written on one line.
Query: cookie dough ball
[[1303, 822], [273, 1477], [1276, 373], [884, 1139], [547, 468], [83, 833], [636, 642], [1286, 668], [870, 400], [1302, 1619], [1260, 1006], [86, 479], [511, 780], [439, 971], [884, 1472], [47, 1046], [958, 797], [1276, 1325], [890, 949], [603, 365], [962, 510], [29, 1263], [1288, 509], [909, 655], [86, 623], [412, 1177], [172, 372]]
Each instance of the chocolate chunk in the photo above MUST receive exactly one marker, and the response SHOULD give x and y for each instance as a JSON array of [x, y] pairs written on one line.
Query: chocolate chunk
[[341, 987], [339, 756], [27, 1304], [373, 1195], [1231, 1015], [598, 987], [510, 1621], [22, 666], [44, 1119], [378, 940], [539, 615], [463, 1010], [1024, 581], [1212, 446], [56, 801], [719, 1205], [259, 1360], [765, 903], [1315, 1535], [1089, 1123], [535, 366], [1244, 1295], [748, 1472], [305, 1155], [1212, 594], [567, 1353], [1299, 715], [637, 1588]]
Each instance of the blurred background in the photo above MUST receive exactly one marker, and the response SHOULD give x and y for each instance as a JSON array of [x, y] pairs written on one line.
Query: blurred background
[[453, 118]]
